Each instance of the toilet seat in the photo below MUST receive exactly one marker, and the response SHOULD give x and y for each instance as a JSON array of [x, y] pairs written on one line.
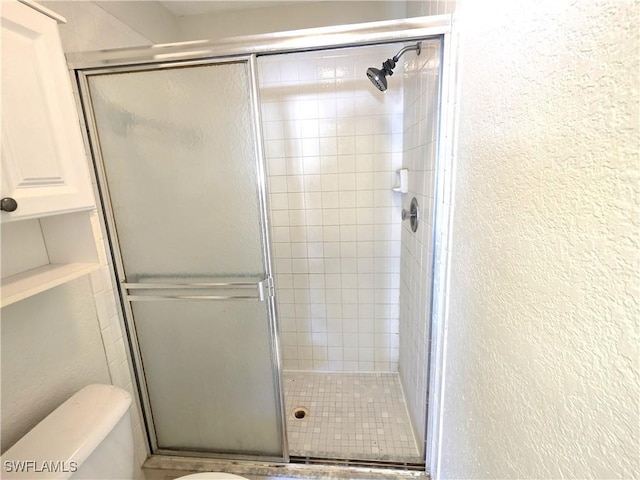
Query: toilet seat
[[212, 476]]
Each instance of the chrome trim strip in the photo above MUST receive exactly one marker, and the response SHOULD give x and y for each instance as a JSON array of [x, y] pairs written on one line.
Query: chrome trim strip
[[112, 280], [351, 462], [226, 458], [263, 291], [127, 68], [442, 218], [104, 200], [164, 286], [268, 262], [281, 42], [433, 344], [160, 298]]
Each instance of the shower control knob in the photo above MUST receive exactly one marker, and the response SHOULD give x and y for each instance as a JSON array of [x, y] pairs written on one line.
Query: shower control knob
[[412, 214], [8, 204], [406, 214]]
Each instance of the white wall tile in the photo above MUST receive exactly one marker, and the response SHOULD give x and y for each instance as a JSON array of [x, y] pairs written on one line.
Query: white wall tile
[[345, 244], [421, 84]]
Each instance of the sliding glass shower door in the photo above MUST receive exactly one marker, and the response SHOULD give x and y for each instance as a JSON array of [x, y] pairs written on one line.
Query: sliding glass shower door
[[182, 181]]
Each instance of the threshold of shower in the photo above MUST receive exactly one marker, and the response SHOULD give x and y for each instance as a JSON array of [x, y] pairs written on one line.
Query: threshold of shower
[[161, 467]]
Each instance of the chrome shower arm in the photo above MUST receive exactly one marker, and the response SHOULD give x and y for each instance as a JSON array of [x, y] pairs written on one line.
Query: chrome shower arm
[[378, 77], [417, 47]]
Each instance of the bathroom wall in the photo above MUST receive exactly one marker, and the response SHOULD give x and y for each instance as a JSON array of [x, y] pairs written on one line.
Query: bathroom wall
[[541, 374], [421, 8], [333, 143], [148, 18], [51, 348], [287, 17], [420, 125], [303, 15], [90, 27], [81, 310]]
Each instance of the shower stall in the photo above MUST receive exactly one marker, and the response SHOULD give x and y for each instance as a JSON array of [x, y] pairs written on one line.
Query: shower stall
[[277, 306]]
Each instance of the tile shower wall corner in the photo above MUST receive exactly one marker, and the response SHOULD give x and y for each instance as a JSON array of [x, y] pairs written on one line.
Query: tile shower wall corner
[[332, 145], [421, 112]]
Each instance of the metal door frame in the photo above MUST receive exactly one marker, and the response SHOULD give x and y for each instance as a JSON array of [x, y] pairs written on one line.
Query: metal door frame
[[265, 287], [323, 38]]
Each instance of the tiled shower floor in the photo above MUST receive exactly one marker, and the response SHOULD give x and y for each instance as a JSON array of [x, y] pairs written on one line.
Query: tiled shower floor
[[355, 416]]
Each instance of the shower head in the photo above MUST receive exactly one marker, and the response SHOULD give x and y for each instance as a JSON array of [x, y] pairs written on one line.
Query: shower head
[[379, 76]]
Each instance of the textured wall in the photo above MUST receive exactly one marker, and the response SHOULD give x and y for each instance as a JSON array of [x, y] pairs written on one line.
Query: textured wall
[[51, 348], [542, 347], [420, 123], [90, 27], [148, 18]]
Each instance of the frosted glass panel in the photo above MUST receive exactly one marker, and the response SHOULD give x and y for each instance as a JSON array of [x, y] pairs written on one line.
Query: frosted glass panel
[[178, 150], [208, 371]]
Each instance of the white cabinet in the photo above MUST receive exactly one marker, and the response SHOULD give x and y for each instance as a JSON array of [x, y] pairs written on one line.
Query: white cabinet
[[50, 238], [44, 167]]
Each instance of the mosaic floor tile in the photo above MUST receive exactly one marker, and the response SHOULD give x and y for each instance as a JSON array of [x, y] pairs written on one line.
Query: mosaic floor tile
[[356, 416]]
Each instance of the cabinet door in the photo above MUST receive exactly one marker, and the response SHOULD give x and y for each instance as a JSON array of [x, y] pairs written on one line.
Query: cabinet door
[[44, 167]]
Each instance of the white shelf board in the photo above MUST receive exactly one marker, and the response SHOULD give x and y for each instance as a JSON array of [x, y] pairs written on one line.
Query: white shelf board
[[25, 284]]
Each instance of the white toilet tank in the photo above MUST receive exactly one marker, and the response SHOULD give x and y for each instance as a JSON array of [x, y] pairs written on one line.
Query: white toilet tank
[[87, 437]]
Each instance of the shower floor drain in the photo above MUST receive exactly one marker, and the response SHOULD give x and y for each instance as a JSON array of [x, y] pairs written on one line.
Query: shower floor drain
[[299, 413]]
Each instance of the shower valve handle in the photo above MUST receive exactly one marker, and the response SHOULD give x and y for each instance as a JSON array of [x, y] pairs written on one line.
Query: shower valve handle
[[406, 214], [412, 214]]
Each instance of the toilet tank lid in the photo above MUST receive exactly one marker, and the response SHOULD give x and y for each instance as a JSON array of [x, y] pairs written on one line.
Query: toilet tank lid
[[71, 432]]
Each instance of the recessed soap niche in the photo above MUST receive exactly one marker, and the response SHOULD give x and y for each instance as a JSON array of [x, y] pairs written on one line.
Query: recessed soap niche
[[42, 253]]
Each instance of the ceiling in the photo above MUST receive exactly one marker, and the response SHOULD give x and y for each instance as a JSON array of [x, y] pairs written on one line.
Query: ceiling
[[182, 8]]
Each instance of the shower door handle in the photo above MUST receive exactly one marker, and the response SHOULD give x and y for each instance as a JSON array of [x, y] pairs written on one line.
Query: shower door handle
[[145, 292]]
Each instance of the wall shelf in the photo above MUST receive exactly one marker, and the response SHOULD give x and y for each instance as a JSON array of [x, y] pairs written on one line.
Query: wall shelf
[[23, 285], [39, 254]]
